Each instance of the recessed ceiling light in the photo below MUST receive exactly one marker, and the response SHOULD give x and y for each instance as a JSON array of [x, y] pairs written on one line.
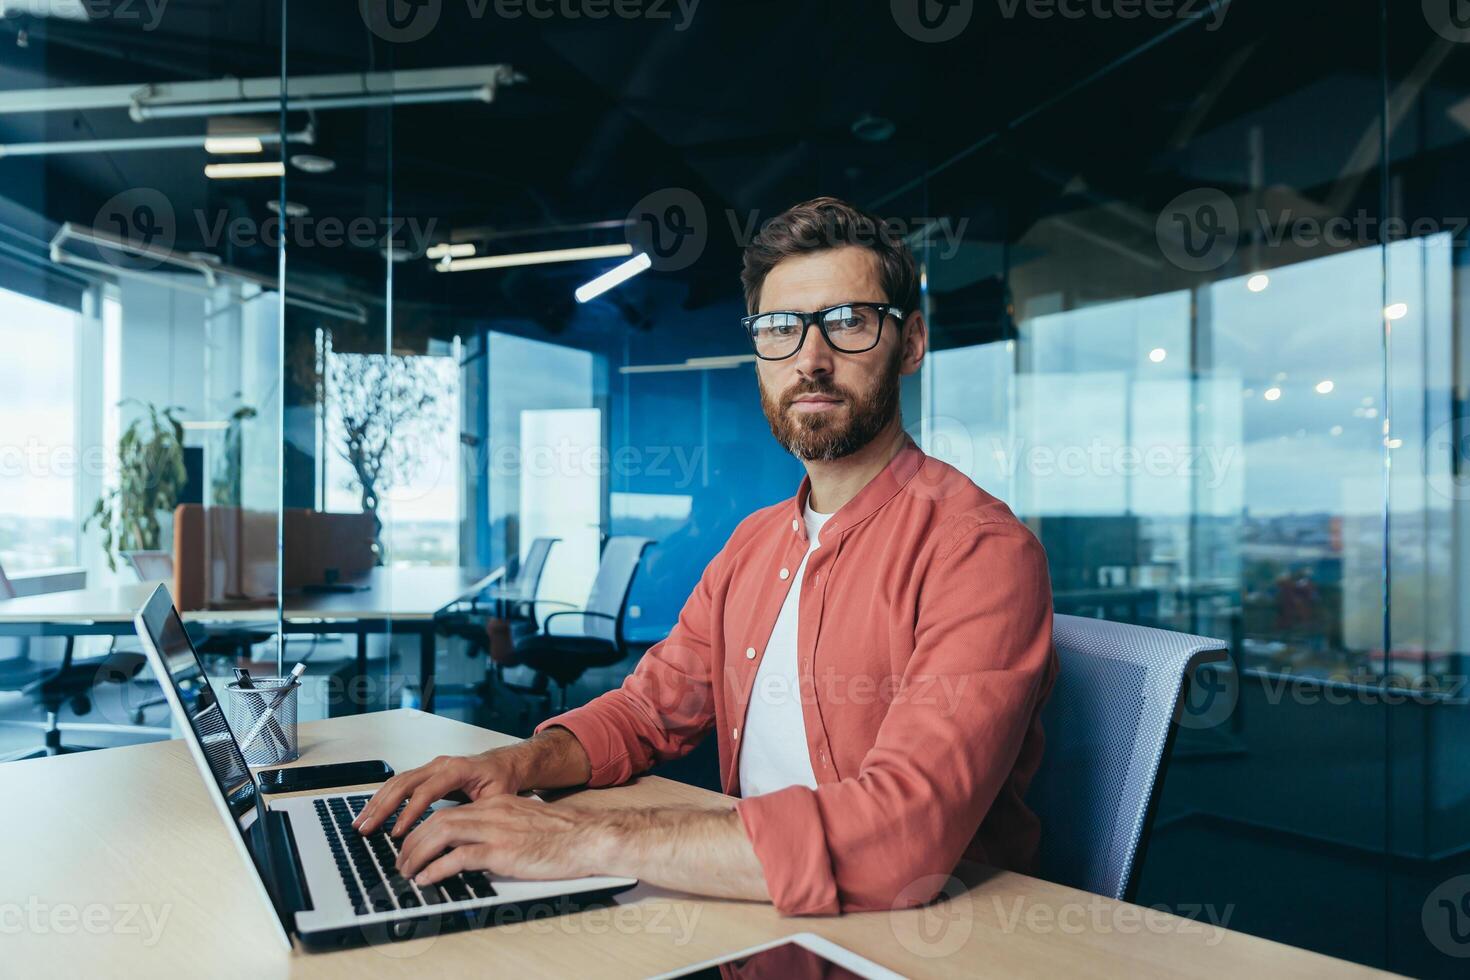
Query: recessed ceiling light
[[1258, 282], [312, 164], [293, 210]]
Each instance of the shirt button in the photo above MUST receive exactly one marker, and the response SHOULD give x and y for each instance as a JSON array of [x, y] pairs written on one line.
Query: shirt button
[[785, 574], [794, 525], [750, 653], [734, 734]]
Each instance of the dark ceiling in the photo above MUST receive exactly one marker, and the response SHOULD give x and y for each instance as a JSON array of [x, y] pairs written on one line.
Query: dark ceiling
[[751, 106]]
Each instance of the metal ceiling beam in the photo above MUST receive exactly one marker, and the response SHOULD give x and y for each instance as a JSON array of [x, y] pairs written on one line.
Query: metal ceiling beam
[[227, 95]]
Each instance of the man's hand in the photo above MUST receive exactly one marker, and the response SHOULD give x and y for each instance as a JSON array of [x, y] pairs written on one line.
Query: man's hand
[[551, 760], [493, 773], [505, 835]]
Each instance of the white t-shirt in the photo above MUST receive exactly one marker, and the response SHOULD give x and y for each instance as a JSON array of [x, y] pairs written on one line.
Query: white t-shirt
[[773, 751]]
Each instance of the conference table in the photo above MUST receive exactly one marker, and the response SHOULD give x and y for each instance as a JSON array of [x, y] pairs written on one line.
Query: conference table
[[119, 865], [385, 601]]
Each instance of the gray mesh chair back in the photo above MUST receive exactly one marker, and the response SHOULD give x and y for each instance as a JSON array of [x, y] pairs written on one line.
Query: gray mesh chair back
[[528, 578], [609, 594], [1109, 726]]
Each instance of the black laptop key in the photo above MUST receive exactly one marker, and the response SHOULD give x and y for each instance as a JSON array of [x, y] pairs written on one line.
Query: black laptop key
[[432, 895], [479, 883], [455, 889]]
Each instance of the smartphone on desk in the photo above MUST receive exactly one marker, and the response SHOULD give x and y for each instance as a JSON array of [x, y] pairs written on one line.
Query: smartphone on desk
[[298, 779]]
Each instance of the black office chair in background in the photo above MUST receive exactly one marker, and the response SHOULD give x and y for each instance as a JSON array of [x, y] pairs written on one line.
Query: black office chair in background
[[51, 686], [572, 641]]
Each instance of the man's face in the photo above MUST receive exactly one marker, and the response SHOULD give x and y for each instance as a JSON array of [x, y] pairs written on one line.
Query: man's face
[[823, 404]]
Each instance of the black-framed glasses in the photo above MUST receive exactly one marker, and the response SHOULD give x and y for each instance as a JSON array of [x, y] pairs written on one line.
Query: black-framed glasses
[[851, 328]]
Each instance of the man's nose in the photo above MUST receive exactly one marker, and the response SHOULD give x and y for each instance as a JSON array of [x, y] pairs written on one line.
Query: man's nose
[[816, 357]]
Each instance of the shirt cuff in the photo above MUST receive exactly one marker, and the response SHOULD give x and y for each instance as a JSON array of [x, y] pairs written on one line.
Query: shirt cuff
[[785, 828], [600, 739]]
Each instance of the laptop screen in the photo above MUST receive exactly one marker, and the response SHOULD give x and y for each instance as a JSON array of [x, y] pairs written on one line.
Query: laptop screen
[[194, 703]]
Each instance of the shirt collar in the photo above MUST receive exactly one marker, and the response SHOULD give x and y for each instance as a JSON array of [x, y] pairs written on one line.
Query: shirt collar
[[879, 490]]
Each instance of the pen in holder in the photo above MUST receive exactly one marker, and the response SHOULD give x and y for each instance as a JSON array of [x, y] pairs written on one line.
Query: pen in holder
[[263, 718]]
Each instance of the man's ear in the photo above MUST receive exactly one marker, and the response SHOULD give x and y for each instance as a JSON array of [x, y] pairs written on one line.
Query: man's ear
[[915, 341]]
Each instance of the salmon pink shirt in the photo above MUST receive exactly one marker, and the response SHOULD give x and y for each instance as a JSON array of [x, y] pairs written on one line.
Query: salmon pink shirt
[[924, 656]]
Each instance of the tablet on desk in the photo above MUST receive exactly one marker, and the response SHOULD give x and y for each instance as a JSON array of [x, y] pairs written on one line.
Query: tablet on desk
[[802, 956]]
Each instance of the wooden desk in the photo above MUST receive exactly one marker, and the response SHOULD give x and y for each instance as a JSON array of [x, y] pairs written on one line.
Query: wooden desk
[[400, 600], [128, 841]]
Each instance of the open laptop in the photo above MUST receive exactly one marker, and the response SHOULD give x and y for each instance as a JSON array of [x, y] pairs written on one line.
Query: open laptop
[[324, 882]]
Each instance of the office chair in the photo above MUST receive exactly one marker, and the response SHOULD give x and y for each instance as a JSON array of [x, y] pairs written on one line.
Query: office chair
[[561, 658], [52, 685], [1109, 727], [514, 598], [510, 598]]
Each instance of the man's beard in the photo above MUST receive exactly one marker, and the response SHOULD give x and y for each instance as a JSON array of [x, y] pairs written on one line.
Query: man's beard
[[819, 436]]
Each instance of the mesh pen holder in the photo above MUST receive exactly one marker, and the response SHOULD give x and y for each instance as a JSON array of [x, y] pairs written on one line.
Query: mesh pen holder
[[271, 742]]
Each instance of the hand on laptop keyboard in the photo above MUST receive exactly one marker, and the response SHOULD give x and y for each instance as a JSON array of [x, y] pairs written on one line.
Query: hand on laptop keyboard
[[411, 793], [368, 864]]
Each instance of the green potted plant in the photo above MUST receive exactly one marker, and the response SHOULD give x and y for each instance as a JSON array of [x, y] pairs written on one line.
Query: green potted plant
[[151, 474]]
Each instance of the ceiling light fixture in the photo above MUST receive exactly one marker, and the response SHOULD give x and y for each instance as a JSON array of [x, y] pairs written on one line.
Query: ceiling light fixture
[[237, 171], [445, 250], [233, 144], [536, 258], [615, 276], [312, 164], [1258, 282]]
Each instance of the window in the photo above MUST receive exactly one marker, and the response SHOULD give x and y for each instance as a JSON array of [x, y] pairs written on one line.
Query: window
[[38, 450]]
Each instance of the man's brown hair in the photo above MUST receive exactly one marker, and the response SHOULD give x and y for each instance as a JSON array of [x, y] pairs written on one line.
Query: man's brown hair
[[823, 223]]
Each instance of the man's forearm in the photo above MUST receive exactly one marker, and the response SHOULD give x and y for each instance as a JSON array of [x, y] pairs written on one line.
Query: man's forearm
[[551, 759], [698, 850]]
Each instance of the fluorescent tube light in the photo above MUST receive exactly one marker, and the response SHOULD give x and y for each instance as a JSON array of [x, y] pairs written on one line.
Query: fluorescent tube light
[[461, 250], [615, 276], [234, 171], [536, 258], [233, 144]]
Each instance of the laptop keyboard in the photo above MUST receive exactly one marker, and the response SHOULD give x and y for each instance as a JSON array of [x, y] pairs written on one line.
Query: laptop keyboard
[[367, 863]]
